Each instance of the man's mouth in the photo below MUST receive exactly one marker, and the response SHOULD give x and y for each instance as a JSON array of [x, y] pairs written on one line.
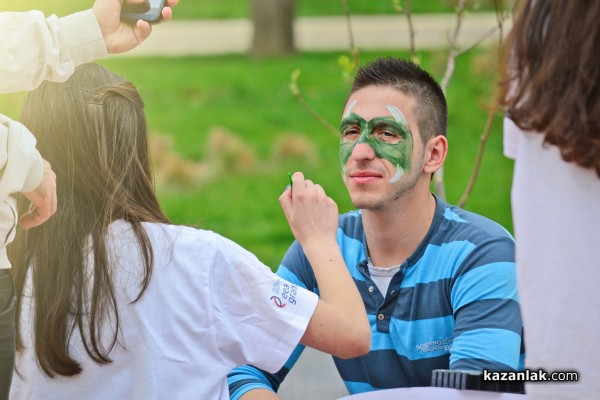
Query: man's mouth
[[362, 177]]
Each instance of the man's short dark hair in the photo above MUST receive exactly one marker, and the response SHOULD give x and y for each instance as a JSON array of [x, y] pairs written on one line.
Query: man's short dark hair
[[431, 109]]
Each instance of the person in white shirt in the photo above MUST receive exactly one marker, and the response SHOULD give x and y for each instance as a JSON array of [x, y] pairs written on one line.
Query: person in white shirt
[[114, 302], [34, 48], [552, 130]]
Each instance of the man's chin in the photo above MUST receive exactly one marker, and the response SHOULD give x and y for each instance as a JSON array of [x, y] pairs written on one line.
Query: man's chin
[[363, 203]]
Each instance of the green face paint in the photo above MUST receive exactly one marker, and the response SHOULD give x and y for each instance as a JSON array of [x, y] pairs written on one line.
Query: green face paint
[[389, 137]]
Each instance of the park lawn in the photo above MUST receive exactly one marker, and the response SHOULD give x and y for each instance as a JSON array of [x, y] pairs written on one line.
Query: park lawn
[[229, 131], [199, 9]]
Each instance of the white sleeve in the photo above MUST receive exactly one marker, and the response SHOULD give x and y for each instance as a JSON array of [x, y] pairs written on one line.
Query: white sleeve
[[8, 223], [511, 135], [260, 318], [21, 165], [21, 170], [34, 48]]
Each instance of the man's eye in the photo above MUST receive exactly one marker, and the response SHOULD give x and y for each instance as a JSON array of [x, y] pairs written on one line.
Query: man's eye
[[351, 132], [388, 136]]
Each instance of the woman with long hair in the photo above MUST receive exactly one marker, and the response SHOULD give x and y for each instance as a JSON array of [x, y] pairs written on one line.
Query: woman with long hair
[[551, 92], [114, 302]]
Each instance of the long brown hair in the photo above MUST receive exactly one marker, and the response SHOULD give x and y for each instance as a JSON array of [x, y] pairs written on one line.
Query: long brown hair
[[92, 130], [552, 81]]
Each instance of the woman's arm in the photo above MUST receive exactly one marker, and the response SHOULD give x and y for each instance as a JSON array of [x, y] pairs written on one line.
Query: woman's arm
[[339, 325]]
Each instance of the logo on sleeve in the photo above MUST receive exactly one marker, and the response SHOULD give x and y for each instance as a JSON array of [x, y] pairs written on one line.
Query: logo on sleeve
[[284, 292], [278, 302]]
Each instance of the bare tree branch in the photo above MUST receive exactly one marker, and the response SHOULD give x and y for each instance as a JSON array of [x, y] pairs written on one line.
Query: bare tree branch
[[353, 48], [296, 93], [500, 18], [460, 10], [482, 141], [295, 90], [411, 31], [438, 181], [411, 28], [478, 42], [438, 177]]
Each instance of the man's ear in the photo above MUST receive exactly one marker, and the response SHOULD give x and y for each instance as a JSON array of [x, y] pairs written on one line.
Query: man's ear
[[436, 149]]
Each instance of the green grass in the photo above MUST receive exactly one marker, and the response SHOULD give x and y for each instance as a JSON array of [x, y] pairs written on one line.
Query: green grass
[[186, 98], [199, 9]]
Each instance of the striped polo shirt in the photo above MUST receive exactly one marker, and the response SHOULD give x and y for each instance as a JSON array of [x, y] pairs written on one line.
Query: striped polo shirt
[[452, 305]]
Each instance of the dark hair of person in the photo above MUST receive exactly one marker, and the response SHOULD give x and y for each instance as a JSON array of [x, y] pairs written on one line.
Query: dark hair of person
[[92, 130], [431, 109], [552, 76]]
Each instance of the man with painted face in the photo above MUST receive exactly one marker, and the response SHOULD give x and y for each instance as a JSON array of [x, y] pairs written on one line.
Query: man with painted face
[[438, 282]]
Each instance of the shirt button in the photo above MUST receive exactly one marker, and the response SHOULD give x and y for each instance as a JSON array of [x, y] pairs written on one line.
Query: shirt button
[[371, 288], [393, 292], [381, 317]]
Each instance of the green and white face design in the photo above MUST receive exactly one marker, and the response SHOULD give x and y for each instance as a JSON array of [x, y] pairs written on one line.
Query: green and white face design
[[390, 138]]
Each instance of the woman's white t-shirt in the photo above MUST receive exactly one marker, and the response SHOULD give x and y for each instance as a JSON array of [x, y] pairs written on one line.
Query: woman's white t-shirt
[[210, 306], [556, 213]]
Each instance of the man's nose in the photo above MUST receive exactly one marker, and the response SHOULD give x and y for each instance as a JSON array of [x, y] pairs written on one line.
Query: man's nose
[[363, 151]]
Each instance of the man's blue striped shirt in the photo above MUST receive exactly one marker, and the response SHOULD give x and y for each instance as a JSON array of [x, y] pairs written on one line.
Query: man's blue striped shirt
[[453, 304]]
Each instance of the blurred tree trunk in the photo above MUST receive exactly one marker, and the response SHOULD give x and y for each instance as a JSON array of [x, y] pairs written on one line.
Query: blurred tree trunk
[[273, 23]]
